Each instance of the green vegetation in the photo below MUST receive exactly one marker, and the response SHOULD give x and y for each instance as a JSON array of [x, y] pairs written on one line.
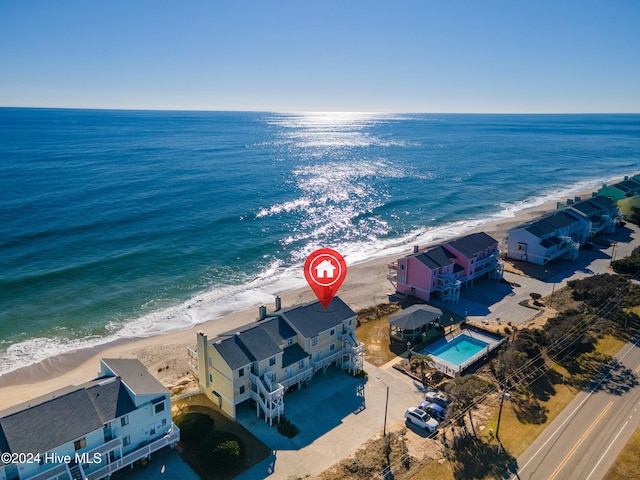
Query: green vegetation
[[193, 427], [212, 453], [628, 265], [627, 465], [220, 450], [286, 428]]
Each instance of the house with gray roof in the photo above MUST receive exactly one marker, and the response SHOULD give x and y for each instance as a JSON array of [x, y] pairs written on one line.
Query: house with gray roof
[[553, 236], [560, 234], [444, 269], [279, 351], [91, 430], [597, 215], [625, 194]]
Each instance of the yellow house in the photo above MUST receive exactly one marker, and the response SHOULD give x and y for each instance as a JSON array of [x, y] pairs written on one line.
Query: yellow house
[[279, 351]]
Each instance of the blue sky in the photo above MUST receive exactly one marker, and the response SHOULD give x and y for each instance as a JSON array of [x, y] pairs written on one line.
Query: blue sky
[[303, 55]]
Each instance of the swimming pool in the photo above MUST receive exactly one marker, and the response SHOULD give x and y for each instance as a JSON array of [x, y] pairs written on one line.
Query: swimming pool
[[451, 355], [457, 351]]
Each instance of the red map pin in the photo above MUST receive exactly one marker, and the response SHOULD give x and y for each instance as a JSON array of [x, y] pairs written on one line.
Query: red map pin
[[325, 270]]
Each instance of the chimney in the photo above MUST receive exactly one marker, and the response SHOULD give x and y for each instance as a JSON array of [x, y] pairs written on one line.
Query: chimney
[[262, 312], [278, 303], [577, 199], [416, 248]]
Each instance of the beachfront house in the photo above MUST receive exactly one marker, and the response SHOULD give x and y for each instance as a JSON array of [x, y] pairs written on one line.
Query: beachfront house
[[284, 349], [88, 431], [626, 194], [596, 215], [553, 236], [445, 268]]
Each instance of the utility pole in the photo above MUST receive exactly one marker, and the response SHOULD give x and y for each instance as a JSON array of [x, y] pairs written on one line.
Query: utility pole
[[504, 393]]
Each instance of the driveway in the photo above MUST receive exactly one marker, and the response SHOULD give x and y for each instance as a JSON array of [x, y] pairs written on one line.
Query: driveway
[[335, 414]]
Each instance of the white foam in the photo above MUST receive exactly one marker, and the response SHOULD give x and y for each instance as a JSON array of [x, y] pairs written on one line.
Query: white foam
[[275, 279]]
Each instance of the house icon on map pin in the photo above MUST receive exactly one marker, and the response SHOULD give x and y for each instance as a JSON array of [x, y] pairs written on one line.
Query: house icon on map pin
[[325, 269]]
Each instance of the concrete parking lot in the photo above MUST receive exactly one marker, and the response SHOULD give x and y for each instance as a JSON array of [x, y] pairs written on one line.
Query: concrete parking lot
[[336, 414]]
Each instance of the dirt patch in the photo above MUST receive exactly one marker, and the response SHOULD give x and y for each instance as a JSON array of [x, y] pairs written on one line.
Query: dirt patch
[[408, 452], [373, 331]]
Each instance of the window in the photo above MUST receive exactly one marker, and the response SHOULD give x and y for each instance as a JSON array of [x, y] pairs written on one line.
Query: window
[[403, 266], [210, 378], [152, 431], [124, 421], [301, 364], [272, 361], [241, 389], [332, 347], [164, 422], [210, 364], [332, 332], [289, 342], [522, 247], [241, 372], [126, 441], [314, 341], [78, 444], [158, 407]]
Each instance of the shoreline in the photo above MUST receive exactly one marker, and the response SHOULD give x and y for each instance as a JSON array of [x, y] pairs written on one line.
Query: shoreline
[[165, 354]]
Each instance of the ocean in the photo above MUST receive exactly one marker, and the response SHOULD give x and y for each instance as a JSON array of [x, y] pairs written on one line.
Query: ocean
[[120, 224]]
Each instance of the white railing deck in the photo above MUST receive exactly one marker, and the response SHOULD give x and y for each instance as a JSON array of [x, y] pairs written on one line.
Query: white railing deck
[[170, 438]]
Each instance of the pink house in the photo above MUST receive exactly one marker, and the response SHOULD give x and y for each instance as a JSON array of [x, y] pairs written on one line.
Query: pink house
[[445, 268]]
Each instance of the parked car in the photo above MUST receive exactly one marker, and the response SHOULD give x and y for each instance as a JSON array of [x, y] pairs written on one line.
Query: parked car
[[436, 411], [421, 419], [437, 397]]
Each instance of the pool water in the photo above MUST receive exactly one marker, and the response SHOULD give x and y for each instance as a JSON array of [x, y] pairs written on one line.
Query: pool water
[[457, 351]]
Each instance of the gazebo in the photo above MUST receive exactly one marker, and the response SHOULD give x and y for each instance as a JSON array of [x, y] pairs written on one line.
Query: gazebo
[[411, 324]]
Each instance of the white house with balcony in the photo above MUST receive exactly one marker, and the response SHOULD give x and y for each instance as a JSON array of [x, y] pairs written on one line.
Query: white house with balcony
[[88, 431], [280, 350], [550, 237]]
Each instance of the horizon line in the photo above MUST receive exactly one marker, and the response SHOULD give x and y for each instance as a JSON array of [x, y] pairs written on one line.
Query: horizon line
[[306, 112]]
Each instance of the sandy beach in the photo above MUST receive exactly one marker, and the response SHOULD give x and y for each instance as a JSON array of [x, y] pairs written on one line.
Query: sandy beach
[[165, 355]]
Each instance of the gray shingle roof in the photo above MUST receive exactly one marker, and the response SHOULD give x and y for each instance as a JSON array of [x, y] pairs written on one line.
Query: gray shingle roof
[[312, 319], [234, 352], [471, 245], [278, 329], [436, 257], [135, 376], [293, 354], [259, 343], [63, 416]]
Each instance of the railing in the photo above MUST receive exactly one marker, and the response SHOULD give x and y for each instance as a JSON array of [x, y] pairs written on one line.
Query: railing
[[192, 352], [272, 394], [170, 438], [52, 473], [319, 364], [300, 377]]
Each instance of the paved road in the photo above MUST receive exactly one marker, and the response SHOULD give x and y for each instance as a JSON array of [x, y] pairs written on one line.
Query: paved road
[[585, 439]]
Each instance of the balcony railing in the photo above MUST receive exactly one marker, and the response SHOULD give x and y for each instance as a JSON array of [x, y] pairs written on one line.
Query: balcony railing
[[169, 439]]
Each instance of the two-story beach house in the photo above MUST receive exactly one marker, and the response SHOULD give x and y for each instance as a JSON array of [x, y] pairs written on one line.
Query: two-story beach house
[[560, 234], [88, 431], [553, 236], [626, 194], [280, 350], [445, 268], [597, 214]]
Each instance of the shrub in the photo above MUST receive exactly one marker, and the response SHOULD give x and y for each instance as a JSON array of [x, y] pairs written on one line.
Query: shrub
[[221, 450], [194, 427], [286, 428]]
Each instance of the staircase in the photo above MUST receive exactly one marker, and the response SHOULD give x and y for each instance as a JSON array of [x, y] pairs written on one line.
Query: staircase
[[76, 472]]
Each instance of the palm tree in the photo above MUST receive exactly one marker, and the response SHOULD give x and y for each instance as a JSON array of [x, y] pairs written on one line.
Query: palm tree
[[423, 361]]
